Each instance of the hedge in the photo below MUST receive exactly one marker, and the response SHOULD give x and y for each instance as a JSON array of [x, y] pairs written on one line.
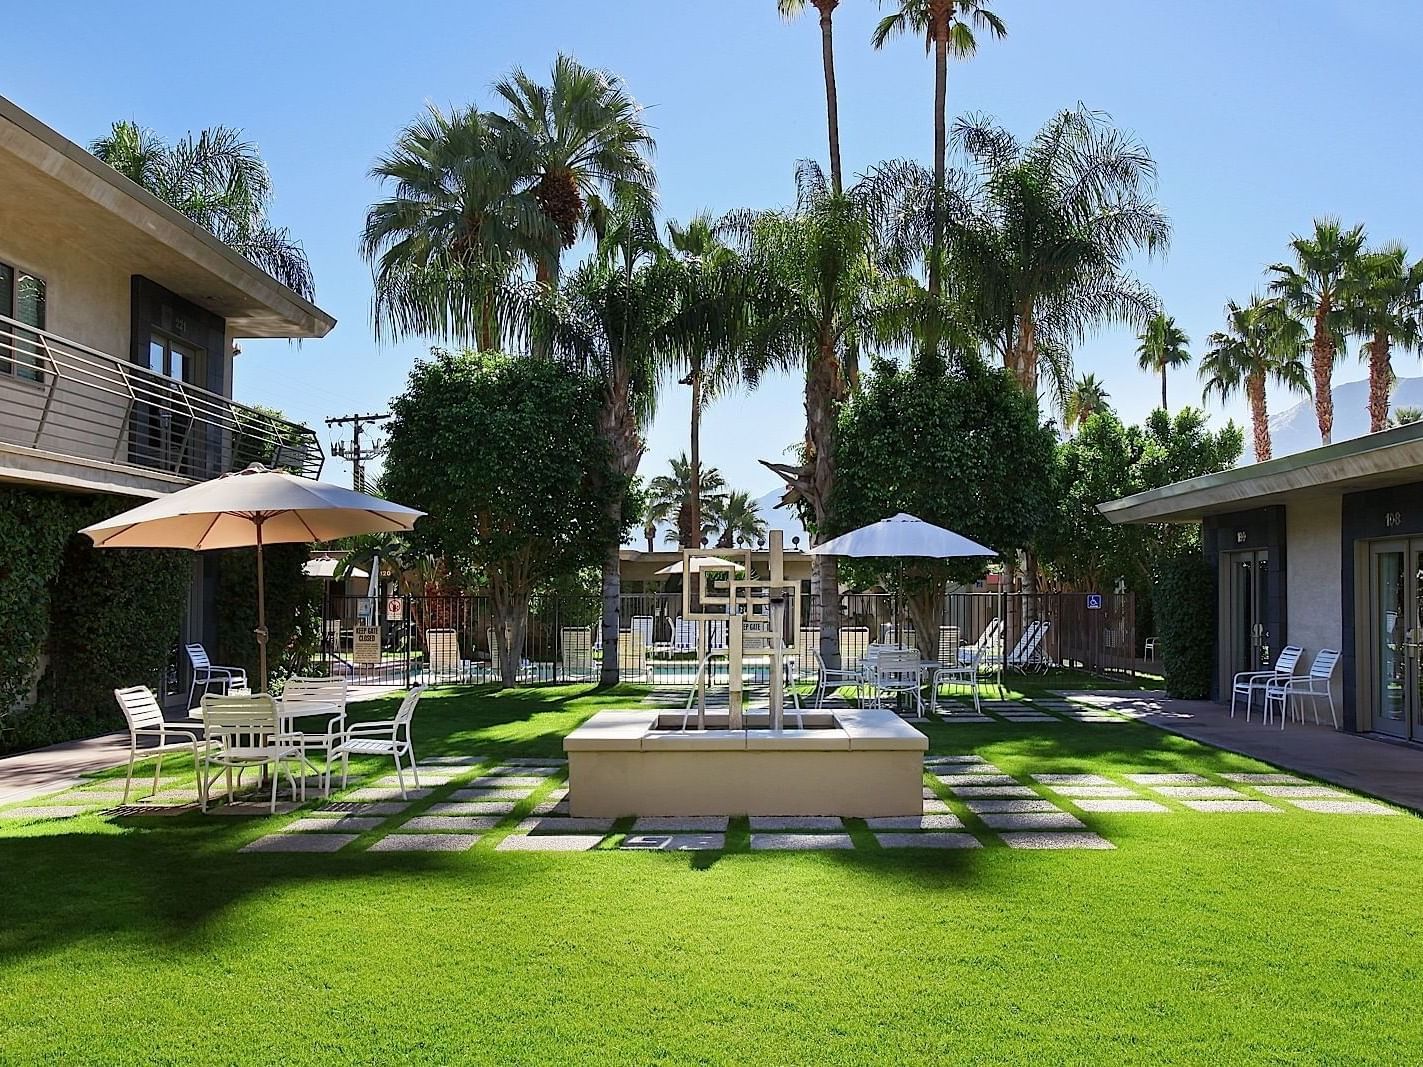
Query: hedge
[[1184, 600]]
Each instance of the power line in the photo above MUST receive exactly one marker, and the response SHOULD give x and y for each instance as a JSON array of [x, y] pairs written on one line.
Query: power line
[[353, 451]]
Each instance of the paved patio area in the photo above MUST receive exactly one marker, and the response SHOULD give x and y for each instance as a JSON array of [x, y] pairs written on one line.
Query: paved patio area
[[1389, 771]]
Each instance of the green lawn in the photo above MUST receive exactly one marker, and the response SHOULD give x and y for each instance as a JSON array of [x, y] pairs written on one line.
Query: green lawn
[[1285, 938]]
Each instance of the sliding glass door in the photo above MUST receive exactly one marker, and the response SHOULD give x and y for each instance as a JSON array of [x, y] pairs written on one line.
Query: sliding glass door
[[1396, 637]]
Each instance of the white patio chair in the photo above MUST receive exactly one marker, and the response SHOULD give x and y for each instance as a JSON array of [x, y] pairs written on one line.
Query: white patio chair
[[309, 697], [684, 636], [827, 678], [948, 645], [243, 732], [1247, 683], [575, 645], [233, 680], [388, 737], [1150, 650], [1317, 683], [967, 677], [643, 626], [145, 719], [894, 672]]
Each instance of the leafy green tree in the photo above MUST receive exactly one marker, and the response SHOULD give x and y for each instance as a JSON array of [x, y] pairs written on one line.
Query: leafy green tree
[[1043, 241], [670, 499], [739, 518], [462, 216], [219, 180], [1163, 345], [1315, 287], [1261, 343], [789, 9], [962, 448], [948, 28], [588, 137], [1088, 396], [508, 458], [1386, 298]]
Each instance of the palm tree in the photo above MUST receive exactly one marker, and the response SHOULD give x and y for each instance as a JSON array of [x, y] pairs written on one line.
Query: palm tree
[[789, 9], [588, 137], [608, 321], [814, 293], [1386, 298], [1262, 342], [1042, 250], [1163, 345], [1088, 396], [461, 219], [1311, 287], [948, 27], [671, 499], [1404, 414], [218, 180], [740, 520]]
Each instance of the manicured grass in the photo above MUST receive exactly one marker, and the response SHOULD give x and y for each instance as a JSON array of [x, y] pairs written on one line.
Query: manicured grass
[[1201, 938]]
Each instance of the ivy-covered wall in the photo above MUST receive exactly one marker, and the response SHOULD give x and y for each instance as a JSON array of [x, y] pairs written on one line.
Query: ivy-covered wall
[[293, 609], [101, 619]]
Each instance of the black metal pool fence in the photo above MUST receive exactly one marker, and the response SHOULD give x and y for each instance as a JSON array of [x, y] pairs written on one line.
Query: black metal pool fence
[[451, 640]]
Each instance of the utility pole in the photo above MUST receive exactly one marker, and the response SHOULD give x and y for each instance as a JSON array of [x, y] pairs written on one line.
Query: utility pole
[[353, 451]]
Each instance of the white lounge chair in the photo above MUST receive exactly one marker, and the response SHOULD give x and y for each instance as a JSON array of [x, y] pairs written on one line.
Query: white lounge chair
[[387, 737], [232, 679], [988, 648], [1247, 683], [145, 719], [1030, 653], [575, 645], [684, 636], [1317, 683], [243, 732]]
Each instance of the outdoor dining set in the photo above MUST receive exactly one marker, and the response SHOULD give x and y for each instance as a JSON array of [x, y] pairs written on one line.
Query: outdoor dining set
[[283, 738]]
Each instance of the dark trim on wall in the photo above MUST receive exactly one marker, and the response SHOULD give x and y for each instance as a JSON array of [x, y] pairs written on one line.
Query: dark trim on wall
[[1247, 531], [1391, 513]]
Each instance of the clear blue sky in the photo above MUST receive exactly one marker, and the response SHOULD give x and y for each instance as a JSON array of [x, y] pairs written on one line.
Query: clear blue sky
[[1261, 115]]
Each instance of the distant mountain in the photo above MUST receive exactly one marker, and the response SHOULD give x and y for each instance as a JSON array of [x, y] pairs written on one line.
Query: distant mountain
[[1295, 429]]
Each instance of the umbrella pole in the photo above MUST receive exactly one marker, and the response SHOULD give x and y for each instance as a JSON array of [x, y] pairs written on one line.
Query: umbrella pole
[[261, 631]]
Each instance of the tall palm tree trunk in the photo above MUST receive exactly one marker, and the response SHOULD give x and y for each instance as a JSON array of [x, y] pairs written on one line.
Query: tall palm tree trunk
[[1323, 367], [694, 485], [832, 97], [619, 426], [612, 604], [1163, 389], [1022, 361], [822, 386], [941, 88], [1259, 416], [1380, 381]]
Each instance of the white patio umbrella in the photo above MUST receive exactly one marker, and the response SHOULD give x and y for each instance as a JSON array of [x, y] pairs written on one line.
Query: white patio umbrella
[[702, 563], [254, 507], [905, 536]]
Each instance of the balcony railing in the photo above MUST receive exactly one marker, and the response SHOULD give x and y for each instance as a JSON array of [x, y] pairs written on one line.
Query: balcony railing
[[59, 396]]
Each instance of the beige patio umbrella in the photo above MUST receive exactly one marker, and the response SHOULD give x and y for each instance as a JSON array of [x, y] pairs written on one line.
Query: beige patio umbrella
[[702, 563], [255, 507]]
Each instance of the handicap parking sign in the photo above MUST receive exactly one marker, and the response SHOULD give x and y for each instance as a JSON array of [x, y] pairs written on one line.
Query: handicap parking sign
[[1094, 601]]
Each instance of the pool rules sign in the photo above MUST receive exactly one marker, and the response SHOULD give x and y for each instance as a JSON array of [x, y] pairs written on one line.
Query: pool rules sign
[[365, 645]]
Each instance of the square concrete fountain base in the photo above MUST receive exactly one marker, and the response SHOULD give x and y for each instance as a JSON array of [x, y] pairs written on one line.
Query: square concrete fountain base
[[860, 763]]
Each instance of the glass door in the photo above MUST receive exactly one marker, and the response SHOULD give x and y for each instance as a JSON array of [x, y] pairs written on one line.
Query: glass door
[[1251, 644], [1396, 637]]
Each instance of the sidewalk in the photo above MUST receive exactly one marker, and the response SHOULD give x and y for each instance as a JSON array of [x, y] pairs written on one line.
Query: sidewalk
[[1391, 772]]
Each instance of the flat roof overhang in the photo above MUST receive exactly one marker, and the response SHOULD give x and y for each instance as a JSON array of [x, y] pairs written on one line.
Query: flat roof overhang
[[1390, 457], [89, 203]]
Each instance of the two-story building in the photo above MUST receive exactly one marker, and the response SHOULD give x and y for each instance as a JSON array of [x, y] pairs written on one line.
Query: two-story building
[[118, 318]]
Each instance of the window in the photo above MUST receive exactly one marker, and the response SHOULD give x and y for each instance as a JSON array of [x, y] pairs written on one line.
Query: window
[[172, 359], [22, 298]]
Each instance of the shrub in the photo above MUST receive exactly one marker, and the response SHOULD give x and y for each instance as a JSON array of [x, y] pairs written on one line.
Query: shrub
[[293, 618], [1184, 600]]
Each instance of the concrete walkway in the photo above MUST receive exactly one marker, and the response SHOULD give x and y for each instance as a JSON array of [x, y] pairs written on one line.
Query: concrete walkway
[[48, 770], [1382, 769]]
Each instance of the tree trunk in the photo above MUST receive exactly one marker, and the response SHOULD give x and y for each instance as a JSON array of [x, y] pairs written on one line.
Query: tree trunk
[[1380, 380], [822, 387], [832, 99], [695, 486], [1259, 416], [509, 600], [1163, 389], [925, 609], [1324, 356], [612, 608], [487, 330], [936, 204], [1023, 356]]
